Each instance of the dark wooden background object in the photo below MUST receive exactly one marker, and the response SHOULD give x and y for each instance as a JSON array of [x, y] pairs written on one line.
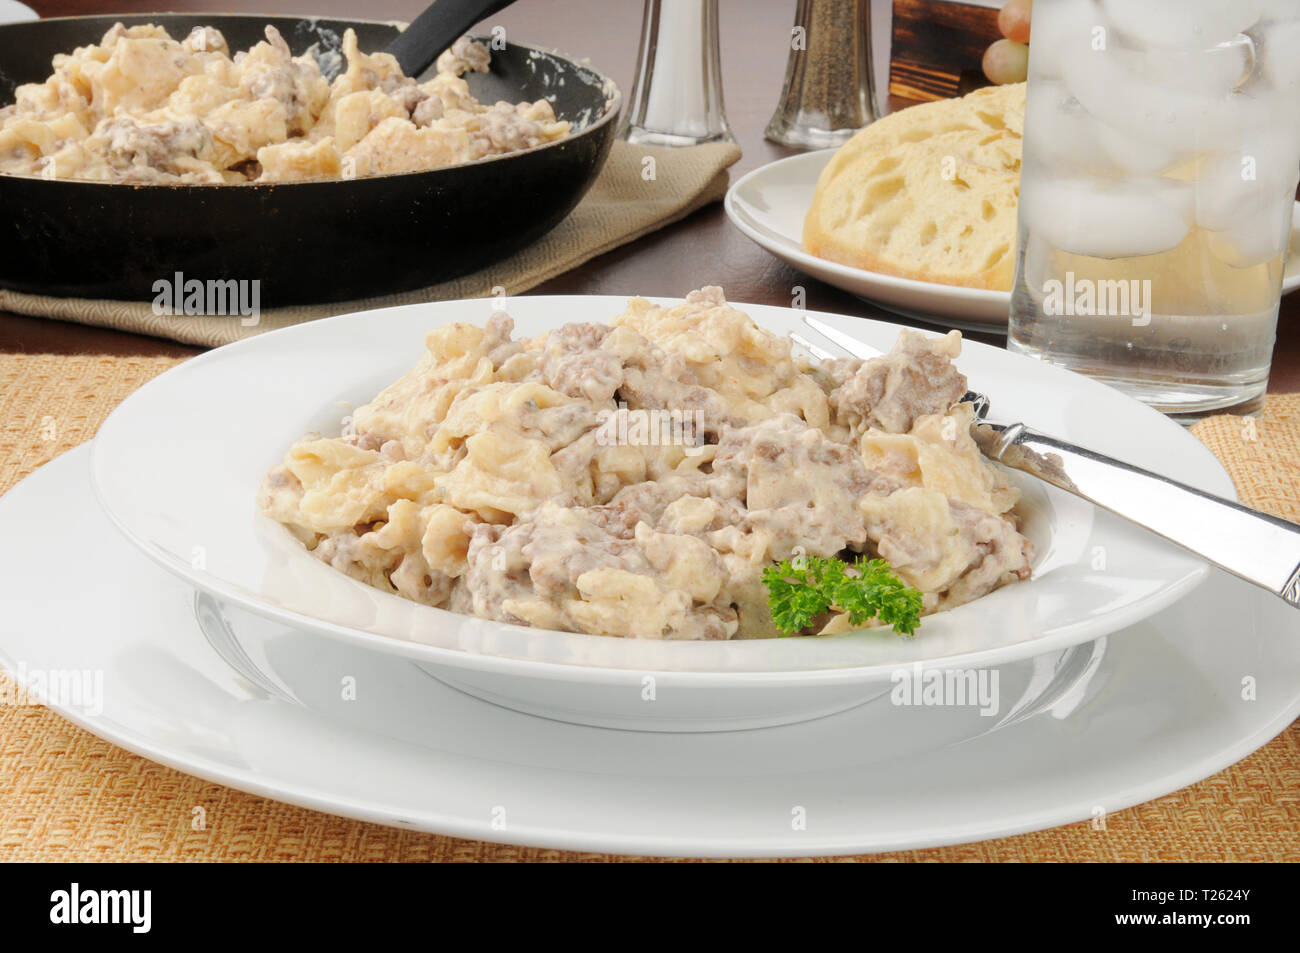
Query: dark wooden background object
[[938, 48]]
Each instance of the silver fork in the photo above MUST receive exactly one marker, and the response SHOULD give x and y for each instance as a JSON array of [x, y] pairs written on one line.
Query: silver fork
[[1260, 548]]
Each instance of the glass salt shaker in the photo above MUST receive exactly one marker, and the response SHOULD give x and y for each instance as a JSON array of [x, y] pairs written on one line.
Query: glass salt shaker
[[676, 99]]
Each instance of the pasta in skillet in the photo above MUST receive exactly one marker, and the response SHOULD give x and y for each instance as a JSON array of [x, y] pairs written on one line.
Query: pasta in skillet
[[140, 107], [634, 479]]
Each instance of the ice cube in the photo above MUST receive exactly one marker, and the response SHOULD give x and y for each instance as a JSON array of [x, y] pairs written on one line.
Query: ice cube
[[1222, 192], [1181, 24], [1132, 156], [1278, 45], [1059, 132], [1261, 174], [1255, 237], [1216, 71], [1180, 122], [1106, 219], [1278, 9], [1062, 30]]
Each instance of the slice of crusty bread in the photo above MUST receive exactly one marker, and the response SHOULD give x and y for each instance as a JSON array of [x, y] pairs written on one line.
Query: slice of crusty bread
[[929, 192]]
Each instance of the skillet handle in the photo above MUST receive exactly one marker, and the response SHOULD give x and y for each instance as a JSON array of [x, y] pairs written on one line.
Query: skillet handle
[[438, 27]]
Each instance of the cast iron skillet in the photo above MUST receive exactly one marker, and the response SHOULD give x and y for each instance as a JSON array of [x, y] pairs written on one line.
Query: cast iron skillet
[[309, 241]]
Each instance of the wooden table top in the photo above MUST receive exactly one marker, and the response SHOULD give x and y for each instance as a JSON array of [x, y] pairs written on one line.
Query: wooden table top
[[703, 249]]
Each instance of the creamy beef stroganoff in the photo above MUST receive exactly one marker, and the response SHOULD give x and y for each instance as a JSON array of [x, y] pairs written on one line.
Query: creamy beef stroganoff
[[141, 107], [635, 479]]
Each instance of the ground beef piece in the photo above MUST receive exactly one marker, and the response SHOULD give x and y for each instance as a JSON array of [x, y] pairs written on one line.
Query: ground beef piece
[[465, 56], [1002, 554], [427, 110], [916, 378], [575, 365], [156, 146], [796, 484], [554, 569]]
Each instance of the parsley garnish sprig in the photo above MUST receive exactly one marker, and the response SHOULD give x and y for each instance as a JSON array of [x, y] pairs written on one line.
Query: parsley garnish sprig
[[799, 590]]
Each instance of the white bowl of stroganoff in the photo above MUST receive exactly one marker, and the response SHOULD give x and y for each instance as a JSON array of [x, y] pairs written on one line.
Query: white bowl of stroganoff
[[465, 513]]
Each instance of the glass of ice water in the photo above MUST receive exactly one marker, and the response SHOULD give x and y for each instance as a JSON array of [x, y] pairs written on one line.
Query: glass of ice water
[[1161, 156]]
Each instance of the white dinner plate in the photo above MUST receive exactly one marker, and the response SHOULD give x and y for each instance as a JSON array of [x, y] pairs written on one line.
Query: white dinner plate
[[769, 205], [11, 11], [1078, 734], [177, 466]]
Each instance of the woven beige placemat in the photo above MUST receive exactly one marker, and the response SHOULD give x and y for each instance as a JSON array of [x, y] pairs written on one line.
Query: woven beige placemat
[[640, 189], [66, 795]]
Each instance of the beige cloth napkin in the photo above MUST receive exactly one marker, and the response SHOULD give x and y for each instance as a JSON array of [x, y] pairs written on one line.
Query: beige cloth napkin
[[630, 198]]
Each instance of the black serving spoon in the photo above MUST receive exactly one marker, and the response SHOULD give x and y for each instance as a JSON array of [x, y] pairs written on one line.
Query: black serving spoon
[[438, 27]]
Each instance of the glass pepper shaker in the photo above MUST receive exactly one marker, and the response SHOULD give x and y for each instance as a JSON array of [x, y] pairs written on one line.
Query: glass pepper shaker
[[829, 91]]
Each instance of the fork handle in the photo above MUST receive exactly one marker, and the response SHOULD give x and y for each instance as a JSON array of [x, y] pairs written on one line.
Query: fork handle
[[1257, 547]]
